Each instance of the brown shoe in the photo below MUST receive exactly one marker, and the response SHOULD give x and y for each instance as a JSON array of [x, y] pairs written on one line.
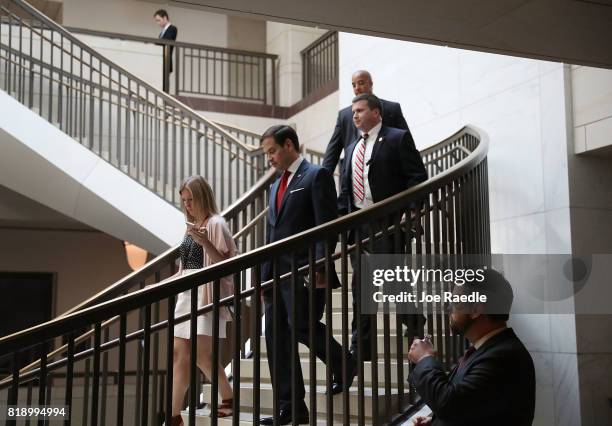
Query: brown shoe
[[227, 406], [176, 421]]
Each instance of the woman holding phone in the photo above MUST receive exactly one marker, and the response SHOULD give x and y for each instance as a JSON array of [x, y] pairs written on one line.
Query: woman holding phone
[[207, 240]]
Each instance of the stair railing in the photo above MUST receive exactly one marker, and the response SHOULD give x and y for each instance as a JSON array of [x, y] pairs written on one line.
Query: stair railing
[[152, 137], [454, 218]]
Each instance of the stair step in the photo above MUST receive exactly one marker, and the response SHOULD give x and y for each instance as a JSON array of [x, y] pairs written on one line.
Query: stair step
[[246, 419], [247, 393], [304, 351], [246, 371], [337, 322]]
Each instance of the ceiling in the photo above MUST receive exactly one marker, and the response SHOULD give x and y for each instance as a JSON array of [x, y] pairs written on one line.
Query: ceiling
[[570, 31], [52, 8]]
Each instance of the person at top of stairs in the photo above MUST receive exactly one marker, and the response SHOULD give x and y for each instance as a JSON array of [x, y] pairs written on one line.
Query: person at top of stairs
[[168, 32]]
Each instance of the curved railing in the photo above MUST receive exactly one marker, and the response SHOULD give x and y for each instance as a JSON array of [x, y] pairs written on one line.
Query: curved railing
[[454, 220], [150, 136], [244, 218]]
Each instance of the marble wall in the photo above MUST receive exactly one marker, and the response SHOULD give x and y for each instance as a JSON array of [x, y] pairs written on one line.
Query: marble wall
[[525, 108], [592, 108], [316, 123]]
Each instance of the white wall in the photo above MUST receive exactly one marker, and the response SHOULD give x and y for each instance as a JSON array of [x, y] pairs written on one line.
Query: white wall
[[141, 59], [592, 108], [136, 17], [44, 164], [287, 41], [316, 123], [520, 104]]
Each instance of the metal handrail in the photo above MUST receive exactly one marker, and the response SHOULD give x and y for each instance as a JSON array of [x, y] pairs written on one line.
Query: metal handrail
[[320, 62], [227, 267], [158, 41], [318, 41], [249, 68], [251, 150], [133, 279], [459, 185], [91, 98], [167, 98]]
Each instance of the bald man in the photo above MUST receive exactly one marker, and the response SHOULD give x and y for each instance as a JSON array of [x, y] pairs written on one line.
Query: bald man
[[346, 133]]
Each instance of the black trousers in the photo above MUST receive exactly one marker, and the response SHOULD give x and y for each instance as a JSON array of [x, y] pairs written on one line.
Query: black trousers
[[283, 340], [378, 246], [384, 245], [366, 340]]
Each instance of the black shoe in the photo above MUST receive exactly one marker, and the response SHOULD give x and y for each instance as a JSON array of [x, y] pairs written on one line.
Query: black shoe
[[337, 386], [367, 355], [284, 418]]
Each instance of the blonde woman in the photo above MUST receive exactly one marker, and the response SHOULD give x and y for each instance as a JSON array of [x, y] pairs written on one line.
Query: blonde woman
[[207, 241]]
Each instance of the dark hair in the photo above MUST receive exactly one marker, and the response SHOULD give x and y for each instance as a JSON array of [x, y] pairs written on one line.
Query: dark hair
[[372, 100], [281, 133], [161, 13], [498, 292]]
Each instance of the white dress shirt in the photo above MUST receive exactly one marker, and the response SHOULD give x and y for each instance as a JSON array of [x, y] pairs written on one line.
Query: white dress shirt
[[487, 336], [293, 168], [369, 147]]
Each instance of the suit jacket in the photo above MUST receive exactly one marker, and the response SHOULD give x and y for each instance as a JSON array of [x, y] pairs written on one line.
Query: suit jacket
[[170, 34], [495, 386], [395, 165], [345, 131], [309, 201]]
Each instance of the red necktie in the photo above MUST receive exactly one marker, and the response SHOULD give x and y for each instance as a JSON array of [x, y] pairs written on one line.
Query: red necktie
[[358, 181], [281, 189], [469, 351]]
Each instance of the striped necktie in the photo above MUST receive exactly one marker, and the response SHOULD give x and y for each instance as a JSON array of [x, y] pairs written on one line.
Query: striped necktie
[[358, 173]]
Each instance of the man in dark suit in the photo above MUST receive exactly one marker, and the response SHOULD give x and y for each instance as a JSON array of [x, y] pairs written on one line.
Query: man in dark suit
[[346, 133], [302, 198], [381, 162], [494, 382], [168, 32]]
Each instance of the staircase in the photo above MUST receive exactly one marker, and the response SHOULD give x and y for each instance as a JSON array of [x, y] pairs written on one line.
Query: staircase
[[108, 357], [114, 128], [374, 398], [129, 335]]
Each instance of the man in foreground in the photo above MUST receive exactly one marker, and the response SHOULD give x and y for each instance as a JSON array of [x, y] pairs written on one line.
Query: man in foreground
[[494, 382]]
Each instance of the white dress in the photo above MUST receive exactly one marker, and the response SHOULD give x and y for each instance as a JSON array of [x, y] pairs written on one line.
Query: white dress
[[193, 258]]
